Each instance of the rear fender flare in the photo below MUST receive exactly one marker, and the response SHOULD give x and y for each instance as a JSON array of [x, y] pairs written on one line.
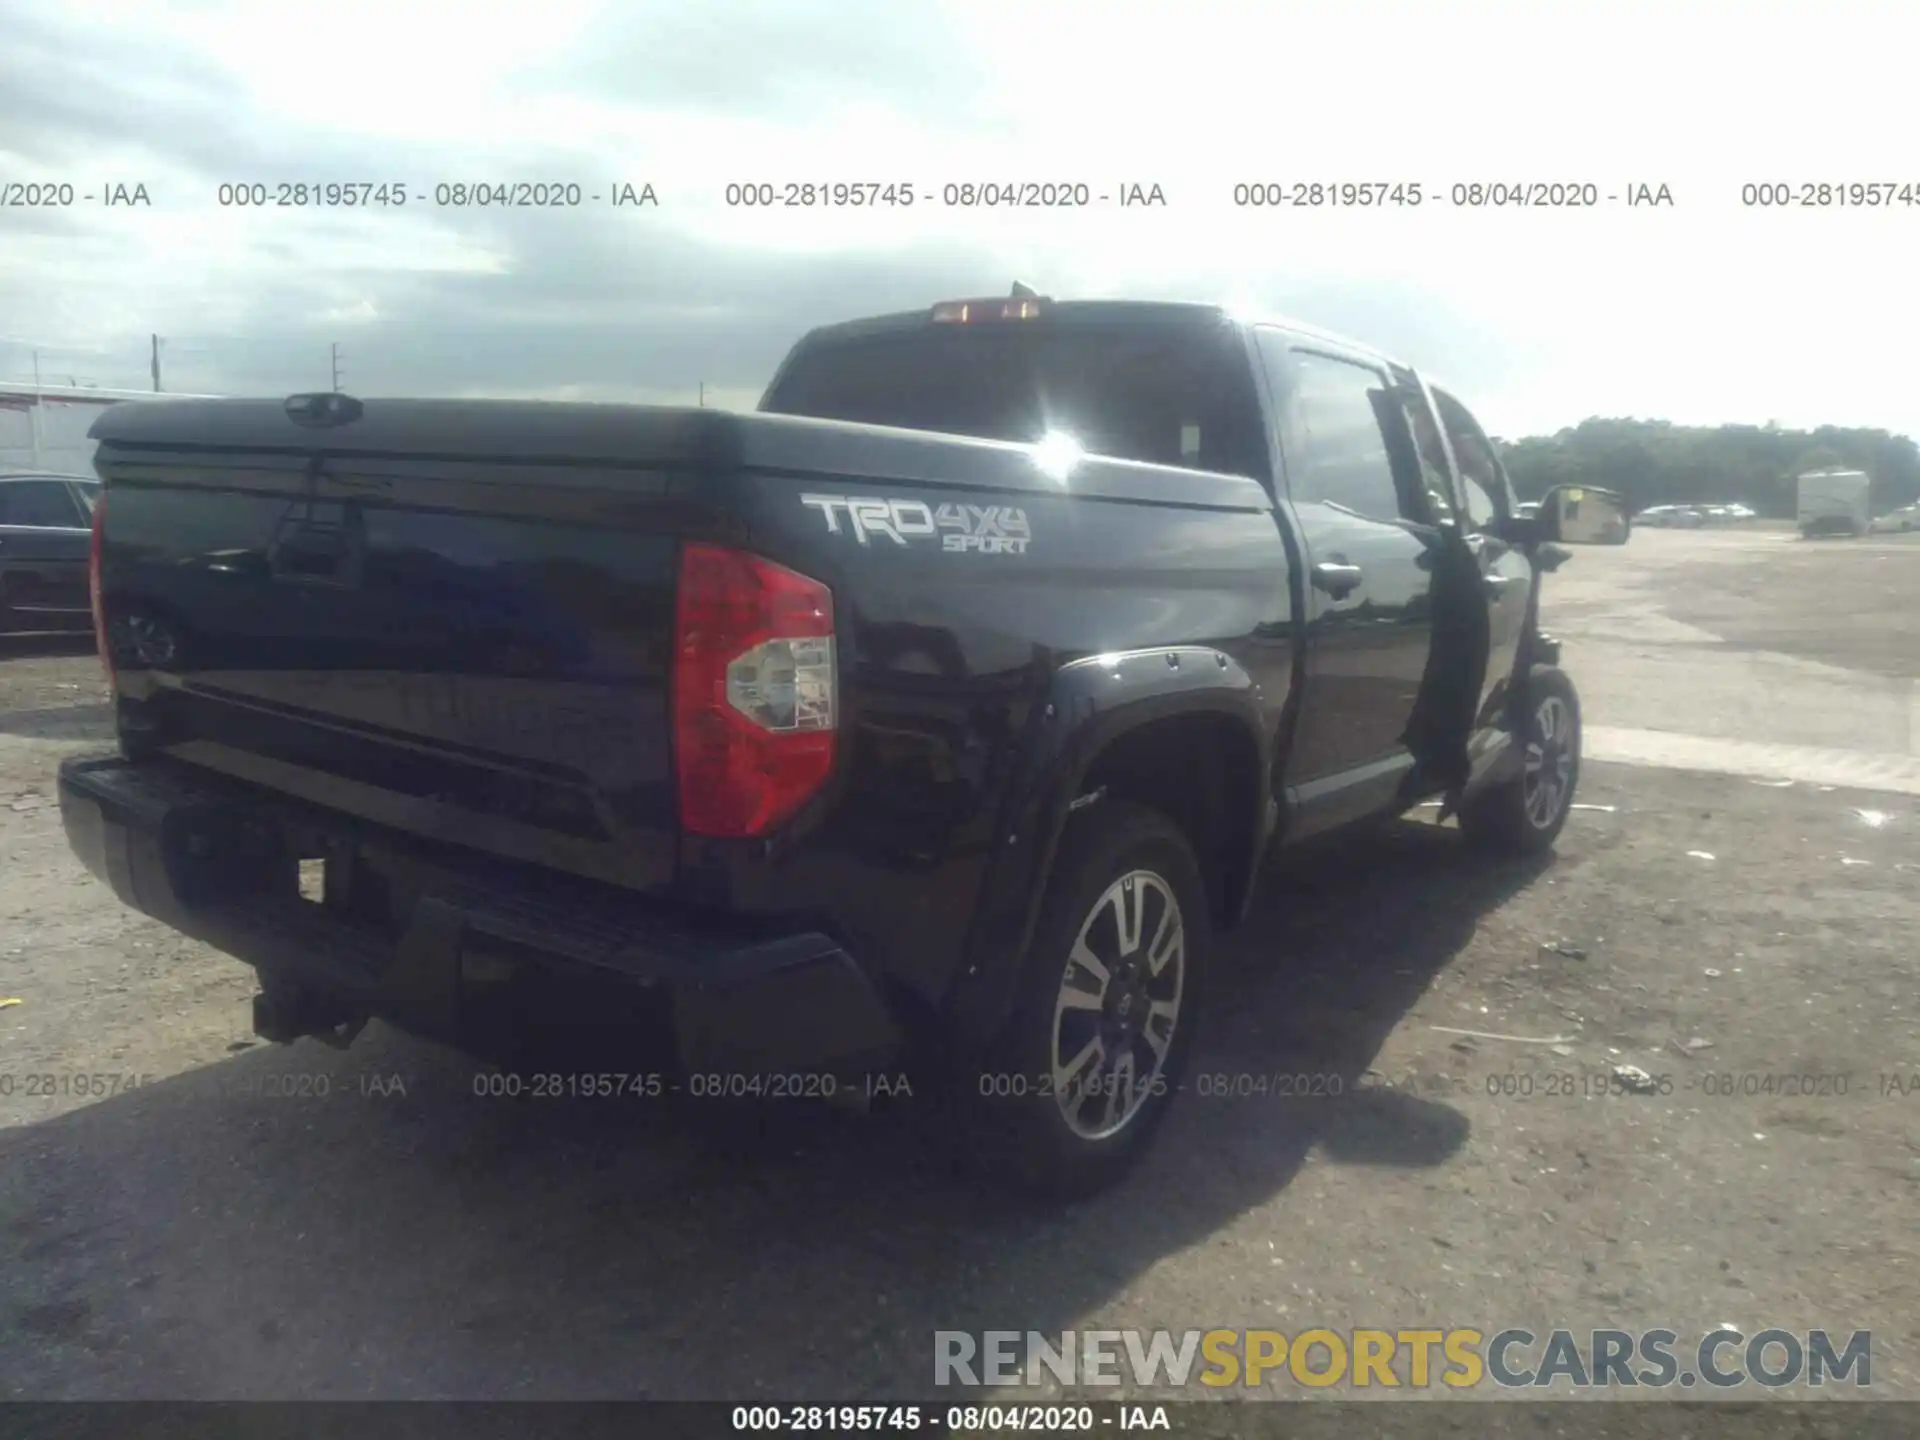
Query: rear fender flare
[[1090, 704]]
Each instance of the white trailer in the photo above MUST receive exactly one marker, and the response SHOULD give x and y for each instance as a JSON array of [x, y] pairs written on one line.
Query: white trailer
[[43, 428], [1834, 502]]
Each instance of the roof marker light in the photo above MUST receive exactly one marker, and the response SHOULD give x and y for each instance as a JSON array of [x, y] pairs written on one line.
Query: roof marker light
[[1022, 305]]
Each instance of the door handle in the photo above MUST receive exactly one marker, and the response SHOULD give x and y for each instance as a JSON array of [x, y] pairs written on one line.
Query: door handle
[[1337, 580]]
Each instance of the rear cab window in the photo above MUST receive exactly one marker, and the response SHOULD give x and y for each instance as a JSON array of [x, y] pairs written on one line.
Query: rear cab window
[[1161, 391]]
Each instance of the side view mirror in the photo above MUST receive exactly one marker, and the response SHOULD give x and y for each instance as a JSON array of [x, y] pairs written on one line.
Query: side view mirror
[[1582, 515]]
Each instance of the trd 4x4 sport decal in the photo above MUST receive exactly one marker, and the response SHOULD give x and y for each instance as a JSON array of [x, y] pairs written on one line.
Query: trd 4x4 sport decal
[[963, 529]]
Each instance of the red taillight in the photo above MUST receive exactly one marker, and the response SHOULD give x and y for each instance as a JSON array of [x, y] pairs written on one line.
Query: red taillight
[[754, 691], [93, 584]]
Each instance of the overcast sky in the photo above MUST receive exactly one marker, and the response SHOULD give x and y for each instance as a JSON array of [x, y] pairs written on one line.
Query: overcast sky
[[1700, 313]]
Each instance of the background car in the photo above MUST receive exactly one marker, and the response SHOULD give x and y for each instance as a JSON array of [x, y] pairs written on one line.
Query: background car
[[1686, 517], [45, 533], [1907, 517]]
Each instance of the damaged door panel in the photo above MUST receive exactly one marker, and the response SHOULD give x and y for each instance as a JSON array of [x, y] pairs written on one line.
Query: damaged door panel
[[1506, 575], [1441, 730]]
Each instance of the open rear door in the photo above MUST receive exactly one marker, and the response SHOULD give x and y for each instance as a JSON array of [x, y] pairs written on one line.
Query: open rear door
[[1454, 679], [1507, 577]]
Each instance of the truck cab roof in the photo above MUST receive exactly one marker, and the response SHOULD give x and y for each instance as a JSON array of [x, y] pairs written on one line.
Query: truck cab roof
[[1130, 313]]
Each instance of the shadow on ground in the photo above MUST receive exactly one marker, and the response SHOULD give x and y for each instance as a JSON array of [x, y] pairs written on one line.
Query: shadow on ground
[[59, 722], [202, 1237], [45, 642]]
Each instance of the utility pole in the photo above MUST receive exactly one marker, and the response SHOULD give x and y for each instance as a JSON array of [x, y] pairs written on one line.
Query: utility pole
[[156, 364], [336, 367], [33, 415], [703, 394]]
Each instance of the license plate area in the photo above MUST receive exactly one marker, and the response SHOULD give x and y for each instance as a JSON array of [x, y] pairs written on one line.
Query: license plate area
[[213, 853]]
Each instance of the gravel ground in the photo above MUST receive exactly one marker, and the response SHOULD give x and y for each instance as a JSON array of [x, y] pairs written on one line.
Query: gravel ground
[[200, 1236]]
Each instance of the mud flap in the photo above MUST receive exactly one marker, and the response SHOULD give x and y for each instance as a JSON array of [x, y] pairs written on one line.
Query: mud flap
[[1450, 688]]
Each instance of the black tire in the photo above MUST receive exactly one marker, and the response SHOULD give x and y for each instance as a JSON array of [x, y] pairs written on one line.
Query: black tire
[[1515, 817], [1014, 1127]]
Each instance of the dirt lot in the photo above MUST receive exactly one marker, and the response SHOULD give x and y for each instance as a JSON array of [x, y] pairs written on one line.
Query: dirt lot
[[196, 1236]]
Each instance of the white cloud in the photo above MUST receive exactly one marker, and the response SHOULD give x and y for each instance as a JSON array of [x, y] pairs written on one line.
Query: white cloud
[[1709, 311], [360, 312]]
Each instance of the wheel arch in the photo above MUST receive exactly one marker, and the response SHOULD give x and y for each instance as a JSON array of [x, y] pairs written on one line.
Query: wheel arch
[[1179, 729]]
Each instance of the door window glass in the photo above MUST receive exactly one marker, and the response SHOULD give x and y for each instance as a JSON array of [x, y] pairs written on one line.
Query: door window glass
[[39, 502], [1480, 479], [1345, 459]]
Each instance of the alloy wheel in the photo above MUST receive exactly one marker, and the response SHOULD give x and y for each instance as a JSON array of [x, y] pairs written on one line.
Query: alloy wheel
[[1548, 782], [1118, 1005]]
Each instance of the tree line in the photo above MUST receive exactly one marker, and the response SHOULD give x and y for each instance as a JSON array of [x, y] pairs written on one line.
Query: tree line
[[1653, 462]]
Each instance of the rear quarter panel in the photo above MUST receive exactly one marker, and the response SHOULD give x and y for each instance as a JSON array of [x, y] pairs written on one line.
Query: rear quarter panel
[[937, 822]]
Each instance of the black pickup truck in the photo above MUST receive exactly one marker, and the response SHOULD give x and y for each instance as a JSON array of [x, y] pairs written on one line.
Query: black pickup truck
[[940, 712]]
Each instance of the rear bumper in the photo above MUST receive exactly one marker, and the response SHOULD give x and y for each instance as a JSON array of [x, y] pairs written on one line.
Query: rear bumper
[[458, 943]]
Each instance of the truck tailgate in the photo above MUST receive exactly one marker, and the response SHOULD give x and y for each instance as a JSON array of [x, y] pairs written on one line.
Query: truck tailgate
[[463, 631]]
